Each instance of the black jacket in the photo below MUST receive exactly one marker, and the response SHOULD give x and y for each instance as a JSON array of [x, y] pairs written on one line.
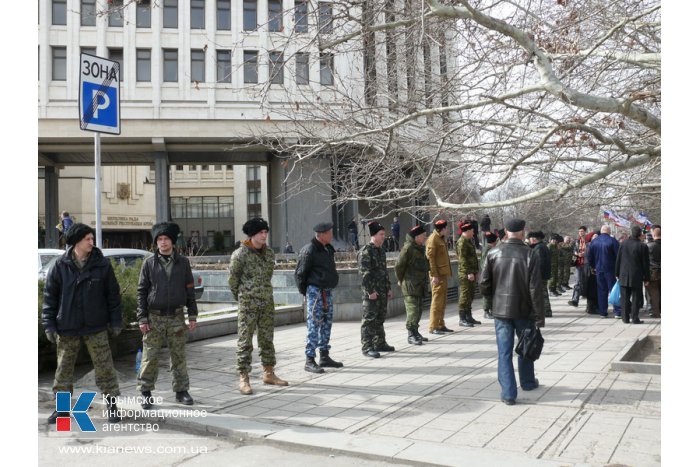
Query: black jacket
[[77, 303], [632, 263], [316, 266], [513, 277], [156, 292], [545, 260], [655, 254]]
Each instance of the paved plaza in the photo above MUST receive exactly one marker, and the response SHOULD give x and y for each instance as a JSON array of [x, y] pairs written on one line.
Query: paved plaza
[[438, 403]]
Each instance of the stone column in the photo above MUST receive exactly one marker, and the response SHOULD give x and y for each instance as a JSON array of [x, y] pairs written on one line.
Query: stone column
[[162, 168], [51, 206]]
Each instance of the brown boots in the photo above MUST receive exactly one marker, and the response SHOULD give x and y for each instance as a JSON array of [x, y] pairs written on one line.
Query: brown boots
[[269, 377], [244, 385]]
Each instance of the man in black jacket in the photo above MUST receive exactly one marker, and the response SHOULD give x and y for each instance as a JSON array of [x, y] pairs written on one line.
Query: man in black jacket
[[316, 276], [632, 269], [166, 285], [81, 302], [536, 243], [513, 277]]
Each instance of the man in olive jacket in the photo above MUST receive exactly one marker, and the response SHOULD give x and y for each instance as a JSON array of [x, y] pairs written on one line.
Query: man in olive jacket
[[512, 276], [440, 273], [468, 270], [316, 276], [412, 274], [81, 303]]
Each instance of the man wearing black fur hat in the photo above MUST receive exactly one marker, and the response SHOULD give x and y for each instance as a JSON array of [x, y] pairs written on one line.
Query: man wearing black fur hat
[[412, 273], [81, 302], [166, 286]]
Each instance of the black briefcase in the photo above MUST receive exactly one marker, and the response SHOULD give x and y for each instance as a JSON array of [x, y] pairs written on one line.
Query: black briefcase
[[530, 344]]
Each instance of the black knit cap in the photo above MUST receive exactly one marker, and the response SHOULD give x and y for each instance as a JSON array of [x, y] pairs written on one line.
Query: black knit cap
[[515, 225], [440, 224], [374, 227], [490, 237], [169, 229], [77, 232], [255, 225], [417, 230]]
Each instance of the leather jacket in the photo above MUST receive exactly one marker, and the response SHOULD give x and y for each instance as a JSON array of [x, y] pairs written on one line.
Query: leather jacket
[[512, 276], [316, 266]]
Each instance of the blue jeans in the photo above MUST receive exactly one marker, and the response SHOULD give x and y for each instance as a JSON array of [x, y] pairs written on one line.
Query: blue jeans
[[505, 336], [605, 282]]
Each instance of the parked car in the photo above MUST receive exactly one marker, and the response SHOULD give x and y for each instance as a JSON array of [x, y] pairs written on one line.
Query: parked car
[[128, 257], [45, 257]]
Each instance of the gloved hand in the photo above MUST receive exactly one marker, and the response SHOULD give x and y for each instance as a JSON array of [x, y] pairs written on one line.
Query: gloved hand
[[116, 331], [51, 336]]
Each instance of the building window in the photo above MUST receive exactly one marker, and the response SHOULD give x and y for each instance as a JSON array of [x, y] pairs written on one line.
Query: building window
[[223, 66], [118, 56], [178, 208], [227, 239], [179, 168], [254, 195], [170, 14], [274, 15], [209, 207], [302, 68], [170, 65], [58, 63], [325, 17], [116, 13], [193, 168], [143, 14], [223, 15], [250, 66], [58, 12], [205, 168], [194, 207], [197, 69], [301, 16], [143, 65], [254, 211], [87, 12], [276, 67], [88, 50], [253, 172], [327, 69], [250, 15], [229, 167], [225, 206], [196, 14]]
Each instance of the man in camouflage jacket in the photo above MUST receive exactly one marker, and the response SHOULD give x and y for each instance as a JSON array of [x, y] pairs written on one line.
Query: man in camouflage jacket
[[376, 291], [251, 285], [468, 270], [566, 253], [553, 248], [412, 273]]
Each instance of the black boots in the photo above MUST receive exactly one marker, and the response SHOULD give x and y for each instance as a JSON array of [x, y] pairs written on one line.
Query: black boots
[[112, 409], [147, 400], [184, 398], [414, 338], [384, 347], [312, 367], [466, 319], [326, 361], [488, 314], [553, 291], [470, 318]]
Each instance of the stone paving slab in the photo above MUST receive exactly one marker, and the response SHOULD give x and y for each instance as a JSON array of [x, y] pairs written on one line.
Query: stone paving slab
[[437, 403]]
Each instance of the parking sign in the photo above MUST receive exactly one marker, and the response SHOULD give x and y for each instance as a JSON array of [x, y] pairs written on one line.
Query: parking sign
[[99, 94]]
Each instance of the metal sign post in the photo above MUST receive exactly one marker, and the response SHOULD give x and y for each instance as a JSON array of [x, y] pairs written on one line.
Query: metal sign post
[[99, 112]]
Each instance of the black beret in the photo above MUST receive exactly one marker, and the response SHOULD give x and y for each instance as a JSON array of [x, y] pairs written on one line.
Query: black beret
[[490, 237], [515, 225], [77, 232], [441, 224], [375, 227], [170, 229], [417, 230], [255, 225], [323, 227]]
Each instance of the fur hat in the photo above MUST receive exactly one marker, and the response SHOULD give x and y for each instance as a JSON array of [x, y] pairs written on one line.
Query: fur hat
[[77, 232], [417, 230], [490, 237], [538, 234], [169, 229], [255, 225], [374, 227]]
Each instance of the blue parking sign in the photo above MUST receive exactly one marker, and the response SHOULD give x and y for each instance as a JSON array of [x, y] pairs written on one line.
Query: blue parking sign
[[99, 105], [99, 94]]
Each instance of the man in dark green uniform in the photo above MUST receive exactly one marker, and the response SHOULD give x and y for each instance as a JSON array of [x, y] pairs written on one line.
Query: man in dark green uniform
[[554, 257], [376, 291], [490, 240], [412, 273], [566, 253], [468, 269], [536, 239]]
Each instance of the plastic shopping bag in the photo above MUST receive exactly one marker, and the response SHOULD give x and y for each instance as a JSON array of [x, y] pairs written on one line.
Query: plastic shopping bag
[[614, 297]]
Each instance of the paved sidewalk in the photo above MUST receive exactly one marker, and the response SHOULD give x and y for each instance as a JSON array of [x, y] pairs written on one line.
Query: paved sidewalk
[[437, 403]]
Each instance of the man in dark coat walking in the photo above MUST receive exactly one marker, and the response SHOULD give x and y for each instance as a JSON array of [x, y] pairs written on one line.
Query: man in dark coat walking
[[632, 269], [602, 253]]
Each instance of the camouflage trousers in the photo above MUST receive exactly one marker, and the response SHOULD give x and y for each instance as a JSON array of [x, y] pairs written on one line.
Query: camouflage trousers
[[373, 316], [438, 304], [553, 282], [564, 274], [414, 310], [170, 329], [547, 305], [67, 348], [318, 320], [466, 293], [260, 317]]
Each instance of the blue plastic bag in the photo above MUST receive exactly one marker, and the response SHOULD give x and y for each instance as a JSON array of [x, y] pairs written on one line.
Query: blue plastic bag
[[614, 297]]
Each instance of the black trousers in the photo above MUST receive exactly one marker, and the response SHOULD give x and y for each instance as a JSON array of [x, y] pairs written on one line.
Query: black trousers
[[632, 299]]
